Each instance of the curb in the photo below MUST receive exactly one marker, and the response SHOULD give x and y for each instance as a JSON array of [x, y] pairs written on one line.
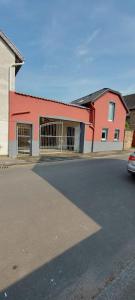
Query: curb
[[7, 164]]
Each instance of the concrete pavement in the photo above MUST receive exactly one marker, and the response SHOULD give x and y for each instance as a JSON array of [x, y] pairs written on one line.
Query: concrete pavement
[[67, 229]]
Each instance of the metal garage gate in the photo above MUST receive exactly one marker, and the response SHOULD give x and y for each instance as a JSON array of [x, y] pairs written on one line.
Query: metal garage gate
[[24, 138], [55, 136]]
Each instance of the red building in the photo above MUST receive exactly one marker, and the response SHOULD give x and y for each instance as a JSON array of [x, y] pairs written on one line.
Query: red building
[[36, 125]]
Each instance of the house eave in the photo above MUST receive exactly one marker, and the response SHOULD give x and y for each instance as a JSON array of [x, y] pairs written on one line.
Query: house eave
[[12, 47]]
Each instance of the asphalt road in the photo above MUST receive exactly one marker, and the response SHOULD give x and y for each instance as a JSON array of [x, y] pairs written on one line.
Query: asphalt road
[[66, 229], [122, 287]]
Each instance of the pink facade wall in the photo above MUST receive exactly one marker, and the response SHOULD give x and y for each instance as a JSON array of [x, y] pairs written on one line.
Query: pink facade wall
[[101, 117], [88, 133], [29, 109]]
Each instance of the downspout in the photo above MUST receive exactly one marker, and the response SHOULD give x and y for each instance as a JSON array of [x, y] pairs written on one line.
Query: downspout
[[92, 126], [9, 88]]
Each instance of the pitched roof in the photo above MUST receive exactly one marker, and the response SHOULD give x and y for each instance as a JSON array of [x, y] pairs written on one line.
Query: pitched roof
[[90, 98], [96, 95], [19, 57], [130, 101]]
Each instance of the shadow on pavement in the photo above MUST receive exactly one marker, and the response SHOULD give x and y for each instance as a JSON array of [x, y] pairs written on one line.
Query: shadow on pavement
[[51, 158], [104, 191]]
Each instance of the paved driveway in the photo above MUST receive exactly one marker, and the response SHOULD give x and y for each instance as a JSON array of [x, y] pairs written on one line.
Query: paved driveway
[[66, 229]]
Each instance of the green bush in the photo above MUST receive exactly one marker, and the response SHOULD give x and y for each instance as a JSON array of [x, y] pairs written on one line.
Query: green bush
[[127, 126]]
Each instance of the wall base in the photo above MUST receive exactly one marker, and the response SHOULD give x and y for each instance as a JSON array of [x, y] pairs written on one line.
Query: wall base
[[35, 148], [3, 137], [13, 152], [12, 149], [87, 148], [107, 146]]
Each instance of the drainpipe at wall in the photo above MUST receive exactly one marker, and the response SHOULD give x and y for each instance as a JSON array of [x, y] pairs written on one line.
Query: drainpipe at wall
[[9, 88], [92, 126]]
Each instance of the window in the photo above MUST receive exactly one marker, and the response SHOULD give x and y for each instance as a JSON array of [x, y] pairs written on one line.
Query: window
[[104, 134], [116, 134], [111, 112]]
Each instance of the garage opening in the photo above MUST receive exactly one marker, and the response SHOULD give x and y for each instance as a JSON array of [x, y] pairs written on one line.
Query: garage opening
[[59, 135], [24, 139]]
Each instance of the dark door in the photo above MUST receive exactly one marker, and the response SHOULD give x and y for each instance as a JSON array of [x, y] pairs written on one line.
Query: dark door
[[133, 141], [70, 138], [24, 138]]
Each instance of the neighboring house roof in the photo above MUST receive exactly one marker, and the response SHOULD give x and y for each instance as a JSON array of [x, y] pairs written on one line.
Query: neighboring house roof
[[12, 47], [96, 95], [130, 101], [90, 98]]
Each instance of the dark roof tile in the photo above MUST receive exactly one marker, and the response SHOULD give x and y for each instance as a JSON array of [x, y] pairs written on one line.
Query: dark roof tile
[[96, 95], [90, 98], [130, 101]]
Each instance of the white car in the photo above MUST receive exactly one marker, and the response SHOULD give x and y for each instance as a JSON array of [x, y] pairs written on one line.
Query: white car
[[131, 163]]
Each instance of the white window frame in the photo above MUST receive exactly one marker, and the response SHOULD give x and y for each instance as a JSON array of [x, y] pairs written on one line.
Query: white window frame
[[114, 106], [106, 134], [118, 131]]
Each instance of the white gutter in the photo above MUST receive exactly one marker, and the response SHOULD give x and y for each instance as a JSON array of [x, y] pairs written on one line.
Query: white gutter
[[9, 88], [13, 66]]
